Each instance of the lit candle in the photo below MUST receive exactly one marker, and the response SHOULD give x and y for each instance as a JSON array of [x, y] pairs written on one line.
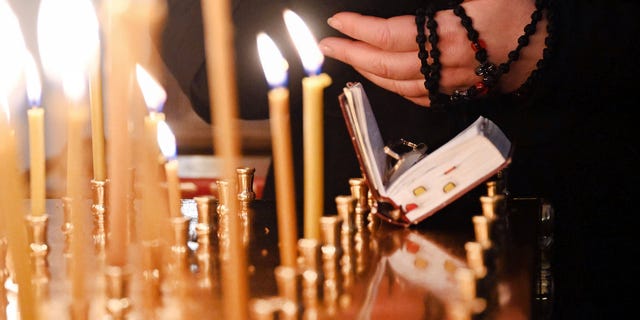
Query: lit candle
[[75, 85], [275, 70], [167, 143], [11, 213], [312, 111], [218, 31], [12, 191], [155, 97], [119, 64], [36, 139]]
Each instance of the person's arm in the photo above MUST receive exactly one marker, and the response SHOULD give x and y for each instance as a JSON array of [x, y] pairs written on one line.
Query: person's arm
[[385, 50]]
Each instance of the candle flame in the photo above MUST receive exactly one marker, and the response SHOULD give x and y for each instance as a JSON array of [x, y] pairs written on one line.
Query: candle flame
[[68, 36], [12, 52], [166, 140], [273, 63], [154, 95], [304, 41], [34, 84], [74, 85]]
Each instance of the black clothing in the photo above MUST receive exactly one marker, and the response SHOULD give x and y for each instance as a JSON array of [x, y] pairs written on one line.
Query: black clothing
[[572, 133]]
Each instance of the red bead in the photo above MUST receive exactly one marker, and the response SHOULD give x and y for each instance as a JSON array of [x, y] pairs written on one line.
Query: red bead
[[476, 46], [482, 88]]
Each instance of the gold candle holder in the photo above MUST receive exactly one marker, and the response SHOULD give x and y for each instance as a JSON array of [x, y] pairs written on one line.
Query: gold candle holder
[[475, 258], [223, 210], [98, 209], [492, 206], [246, 195], [261, 309], [179, 248], [204, 229], [286, 279], [151, 276], [345, 206], [308, 254], [310, 279], [481, 230], [359, 191], [67, 230], [4, 275], [37, 232], [330, 227], [466, 280], [118, 303]]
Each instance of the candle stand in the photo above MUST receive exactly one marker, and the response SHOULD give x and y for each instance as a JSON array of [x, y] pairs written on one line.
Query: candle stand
[[37, 231]]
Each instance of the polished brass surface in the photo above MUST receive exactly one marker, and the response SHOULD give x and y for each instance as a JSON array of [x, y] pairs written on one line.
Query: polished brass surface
[[406, 273]]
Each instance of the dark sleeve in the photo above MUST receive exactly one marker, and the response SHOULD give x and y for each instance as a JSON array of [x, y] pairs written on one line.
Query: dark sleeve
[[183, 52]]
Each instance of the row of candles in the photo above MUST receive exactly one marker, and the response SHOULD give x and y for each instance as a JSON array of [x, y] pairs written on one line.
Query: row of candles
[[69, 50]]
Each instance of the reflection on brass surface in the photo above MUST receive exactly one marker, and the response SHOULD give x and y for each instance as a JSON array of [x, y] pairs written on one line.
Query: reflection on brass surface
[[223, 210], [261, 309], [179, 249], [286, 280], [310, 289]]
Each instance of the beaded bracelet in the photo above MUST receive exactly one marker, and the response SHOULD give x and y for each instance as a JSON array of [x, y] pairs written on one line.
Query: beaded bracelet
[[489, 72]]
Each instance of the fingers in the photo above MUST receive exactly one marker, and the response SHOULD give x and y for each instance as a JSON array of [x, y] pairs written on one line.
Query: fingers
[[386, 34], [412, 88], [364, 56]]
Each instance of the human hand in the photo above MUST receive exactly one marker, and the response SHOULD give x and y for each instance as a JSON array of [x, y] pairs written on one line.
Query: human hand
[[385, 50]]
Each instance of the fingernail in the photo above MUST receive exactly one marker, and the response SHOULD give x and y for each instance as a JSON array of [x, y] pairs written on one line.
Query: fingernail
[[334, 23], [327, 50]]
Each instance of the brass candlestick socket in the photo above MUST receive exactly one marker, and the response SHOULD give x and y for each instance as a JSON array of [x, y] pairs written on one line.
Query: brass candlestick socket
[[179, 248], [359, 191], [206, 208], [481, 230], [475, 258], [492, 206], [151, 262], [286, 279], [223, 209], [4, 275], [261, 309], [37, 232], [308, 254], [67, 230], [246, 195], [345, 206], [466, 280], [310, 290], [118, 303], [330, 227], [98, 209]]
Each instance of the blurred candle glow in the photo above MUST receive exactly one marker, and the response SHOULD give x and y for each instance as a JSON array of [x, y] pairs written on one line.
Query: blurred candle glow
[[275, 71], [313, 121], [36, 138], [167, 143]]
